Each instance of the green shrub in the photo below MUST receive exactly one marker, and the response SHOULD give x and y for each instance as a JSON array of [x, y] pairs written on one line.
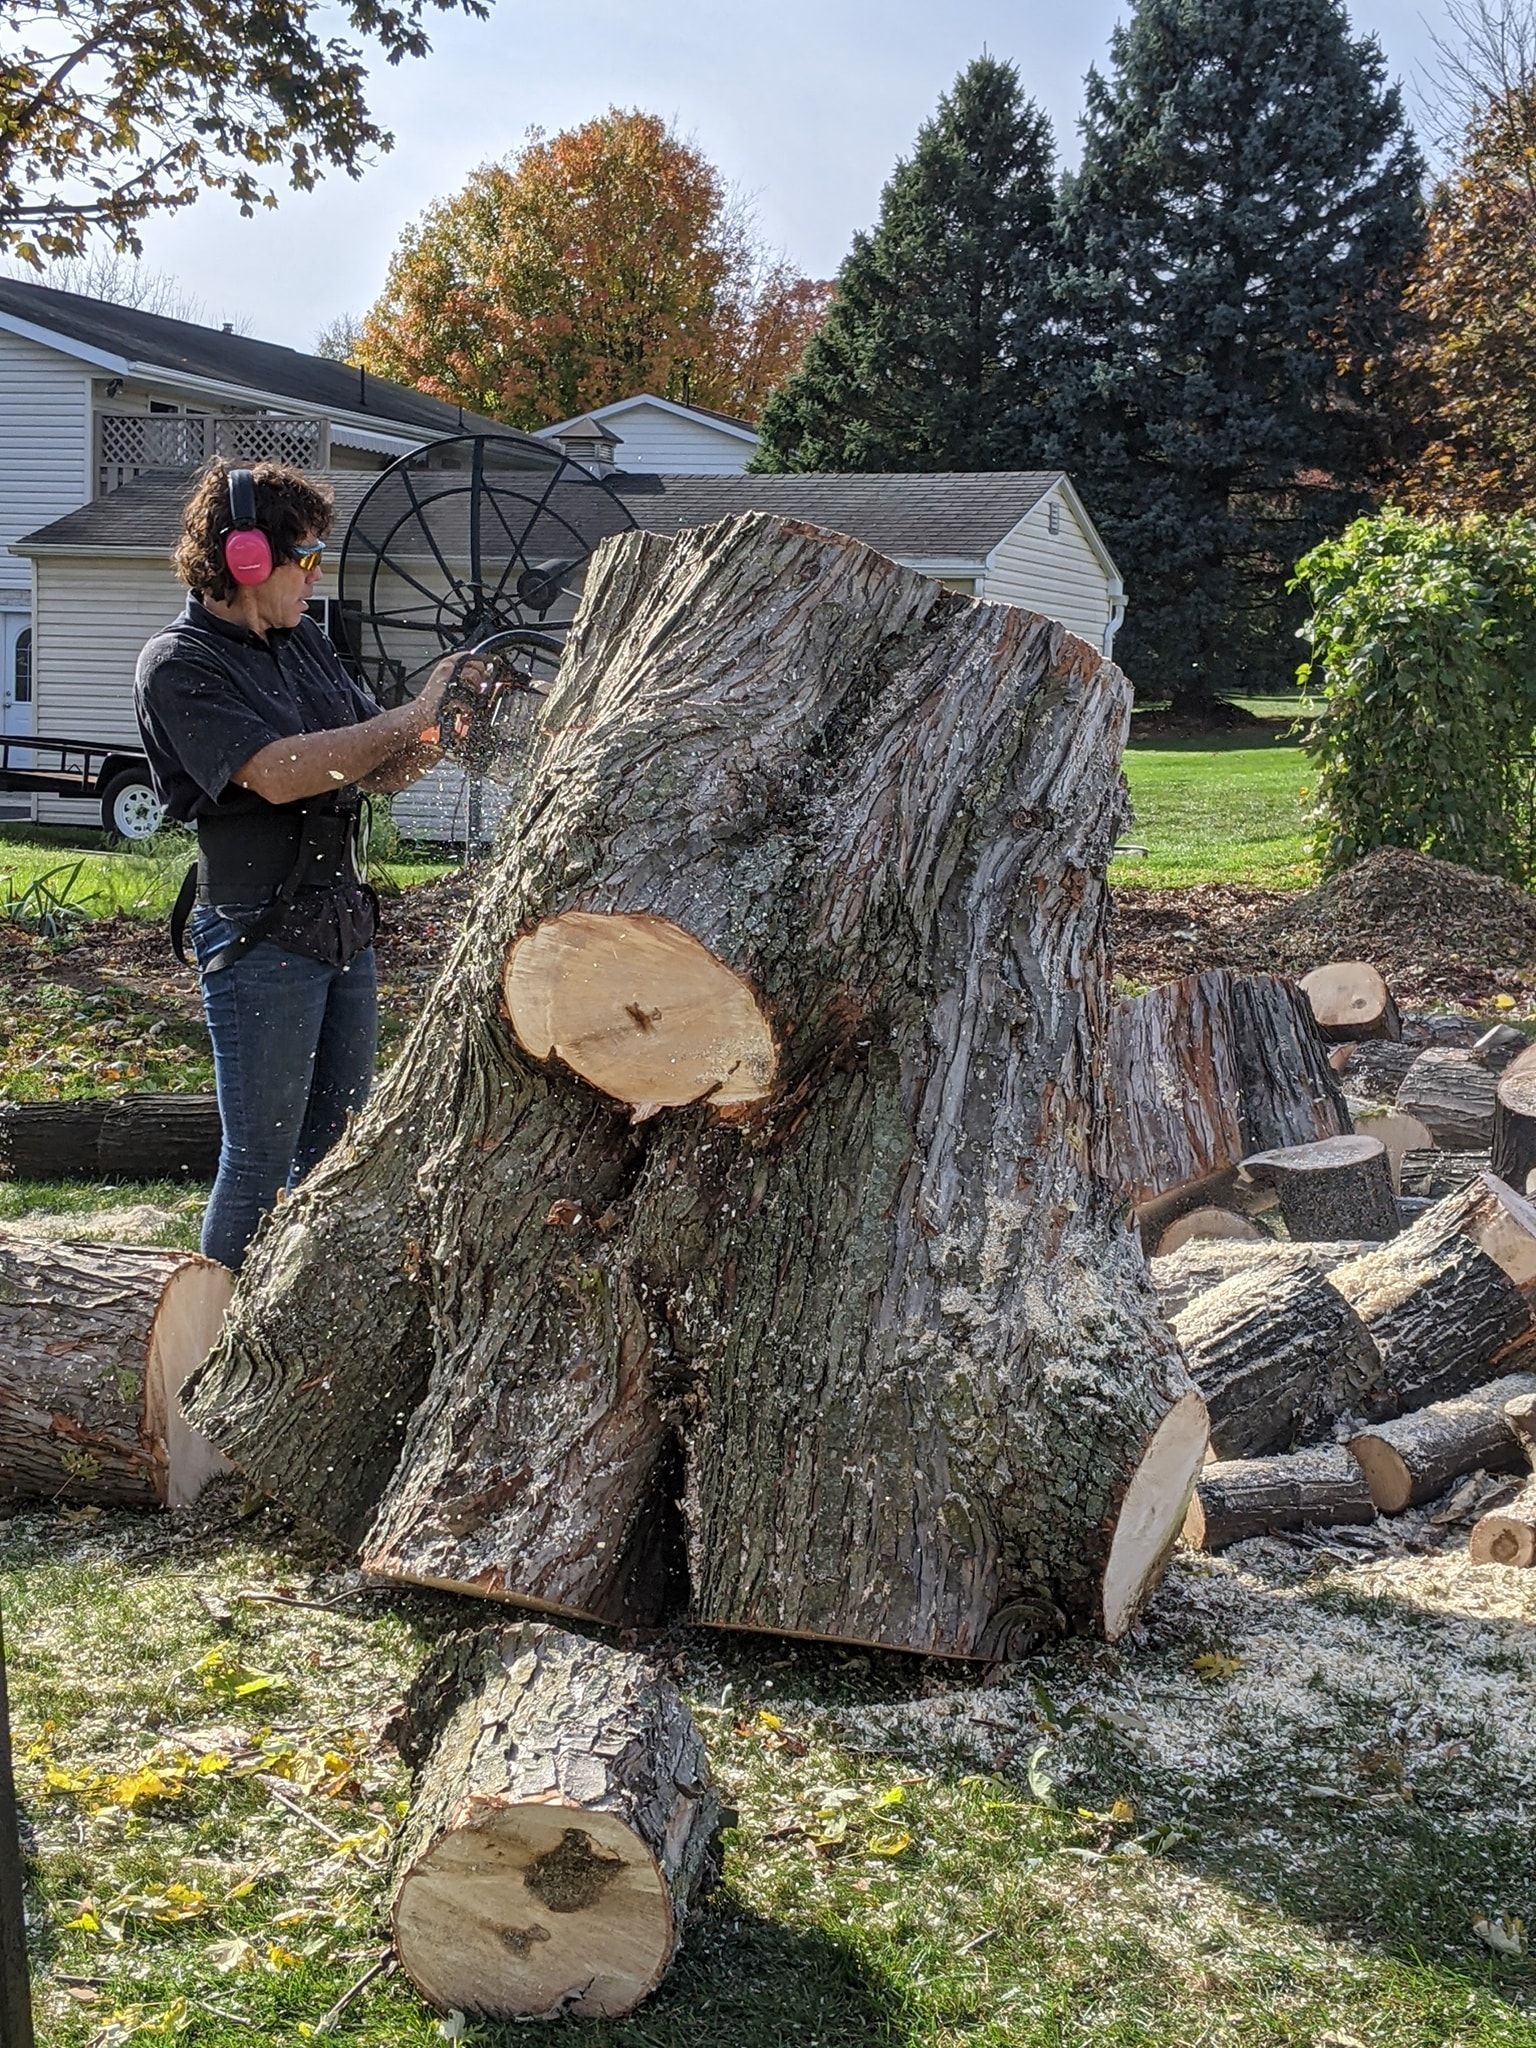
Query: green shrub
[[1422, 684]]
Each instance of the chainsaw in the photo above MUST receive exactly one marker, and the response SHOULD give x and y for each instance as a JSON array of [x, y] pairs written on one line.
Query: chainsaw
[[491, 700]]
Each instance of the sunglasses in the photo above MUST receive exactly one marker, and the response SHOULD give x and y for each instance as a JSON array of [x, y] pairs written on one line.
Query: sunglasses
[[308, 559]]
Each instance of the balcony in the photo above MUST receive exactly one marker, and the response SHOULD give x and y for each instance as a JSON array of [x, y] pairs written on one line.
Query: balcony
[[127, 443]]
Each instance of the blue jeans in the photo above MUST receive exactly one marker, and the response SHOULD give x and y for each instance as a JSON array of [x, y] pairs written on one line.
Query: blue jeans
[[293, 1052]]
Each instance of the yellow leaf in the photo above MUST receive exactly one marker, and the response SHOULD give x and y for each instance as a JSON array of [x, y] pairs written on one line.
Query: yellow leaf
[[889, 1845], [1502, 1002], [210, 1763], [767, 1720], [1216, 1664], [892, 1796], [1122, 1810], [280, 1958], [86, 1921]]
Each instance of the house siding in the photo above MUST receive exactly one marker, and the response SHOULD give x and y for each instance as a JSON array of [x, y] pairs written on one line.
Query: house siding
[[45, 445], [1055, 573], [661, 444], [92, 615]]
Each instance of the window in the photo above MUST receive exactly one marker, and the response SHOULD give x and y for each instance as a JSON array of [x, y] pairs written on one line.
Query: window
[[22, 677], [159, 405]]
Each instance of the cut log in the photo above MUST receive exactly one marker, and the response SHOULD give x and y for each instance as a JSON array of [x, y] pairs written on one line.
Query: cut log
[[1376, 1069], [1351, 1002], [1452, 1095], [1498, 1046], [131, 1137], [96, 1343], [1394, 1129], [1507, 1535], [1195, 1268], [561, 1830], [1277, 1355], [855, 1342], [1339, 1187], [1247, 1497], [1520, 1414], [1209, 1068], [1449, 1300], [1438, 1174], [1208, 1224], [1514, 1122], [1408, 1461]]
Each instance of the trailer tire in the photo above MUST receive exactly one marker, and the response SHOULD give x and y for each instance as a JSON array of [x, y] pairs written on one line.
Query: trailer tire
[[129, 807]]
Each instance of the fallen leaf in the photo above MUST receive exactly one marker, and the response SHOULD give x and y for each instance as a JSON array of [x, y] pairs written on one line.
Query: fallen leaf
[[1216, 1664]]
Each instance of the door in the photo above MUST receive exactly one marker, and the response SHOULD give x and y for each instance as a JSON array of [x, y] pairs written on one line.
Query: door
[[16, 691]]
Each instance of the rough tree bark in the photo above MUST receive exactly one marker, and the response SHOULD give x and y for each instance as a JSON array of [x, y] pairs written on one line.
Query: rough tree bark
[[1195, 1268], [1408, 1461], [1242, 1497], [1338, 1187], [866, 1352], [563, 1824], [134, 1137], [1209, 1068], [96, 1341], [1452, 1095], [1514, 1121]]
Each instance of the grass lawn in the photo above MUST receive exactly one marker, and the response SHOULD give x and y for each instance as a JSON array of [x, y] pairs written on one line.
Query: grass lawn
[[69, 873], [1220, 807]]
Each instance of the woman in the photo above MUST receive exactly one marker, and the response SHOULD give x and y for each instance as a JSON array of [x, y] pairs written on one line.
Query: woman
[[257, 735]]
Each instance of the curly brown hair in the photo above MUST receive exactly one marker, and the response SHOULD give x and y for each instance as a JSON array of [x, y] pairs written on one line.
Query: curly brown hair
[[290, 507]]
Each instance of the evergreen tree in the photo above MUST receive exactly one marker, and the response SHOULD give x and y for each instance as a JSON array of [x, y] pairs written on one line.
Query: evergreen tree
[[1234, 248], [918, 353]]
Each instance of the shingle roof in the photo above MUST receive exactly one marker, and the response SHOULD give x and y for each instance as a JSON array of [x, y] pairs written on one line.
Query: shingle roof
[[915, 518], [182, 346]]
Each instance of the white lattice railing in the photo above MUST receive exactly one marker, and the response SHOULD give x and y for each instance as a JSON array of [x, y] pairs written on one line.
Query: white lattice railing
[[128, 443]]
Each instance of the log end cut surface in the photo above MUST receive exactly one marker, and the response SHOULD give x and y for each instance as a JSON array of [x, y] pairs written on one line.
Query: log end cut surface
[[638, 1008], [186, 1326], [1350, 1001], [1153, 1511], [534, 1910]]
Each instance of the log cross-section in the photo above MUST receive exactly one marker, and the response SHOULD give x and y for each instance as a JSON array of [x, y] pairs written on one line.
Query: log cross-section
[[763, 1262]]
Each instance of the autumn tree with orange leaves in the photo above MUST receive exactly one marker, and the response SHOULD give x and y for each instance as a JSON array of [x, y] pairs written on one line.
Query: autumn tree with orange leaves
[[1472, 298], [595, 263]]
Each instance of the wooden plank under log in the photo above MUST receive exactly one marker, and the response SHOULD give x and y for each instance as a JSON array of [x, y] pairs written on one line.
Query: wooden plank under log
[[1247, 1497], [1351, 1002], [832, 842], [1338, 1187], [562, 1829], [96, 1342], [1452, 1095], [1411, 1459]]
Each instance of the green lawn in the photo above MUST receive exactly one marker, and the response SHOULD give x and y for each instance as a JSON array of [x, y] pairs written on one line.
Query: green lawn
[[1218, 808], [60, 874]]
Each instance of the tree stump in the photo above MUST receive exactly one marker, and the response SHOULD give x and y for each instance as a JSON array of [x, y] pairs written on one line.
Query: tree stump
[[1452, 1095], [1245, 1497], [1209, 1068], [1339, 1187], [1351, 1002], [1408, 1461], [735, 1235], [563, 1825], [96, 1342], [1514, 1122]]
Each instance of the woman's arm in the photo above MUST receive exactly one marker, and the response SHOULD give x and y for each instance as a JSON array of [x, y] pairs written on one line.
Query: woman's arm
[[314, 763]]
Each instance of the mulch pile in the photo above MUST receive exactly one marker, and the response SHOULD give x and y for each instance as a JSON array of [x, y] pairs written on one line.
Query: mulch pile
[[1445, 937]]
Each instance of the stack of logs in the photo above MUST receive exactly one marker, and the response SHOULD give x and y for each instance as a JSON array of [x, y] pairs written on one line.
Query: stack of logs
[[1385, 1345]]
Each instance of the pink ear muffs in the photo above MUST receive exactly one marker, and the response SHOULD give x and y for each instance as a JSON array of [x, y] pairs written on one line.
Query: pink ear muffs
[[247, 551]]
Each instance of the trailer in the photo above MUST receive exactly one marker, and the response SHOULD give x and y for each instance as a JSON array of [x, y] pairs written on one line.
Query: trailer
[[115, 777]]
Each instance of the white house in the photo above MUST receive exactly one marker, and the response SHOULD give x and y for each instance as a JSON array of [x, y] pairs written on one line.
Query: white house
[[105, 412]]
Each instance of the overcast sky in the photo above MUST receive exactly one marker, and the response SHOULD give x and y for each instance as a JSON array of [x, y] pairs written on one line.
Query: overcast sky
[[804, 105]]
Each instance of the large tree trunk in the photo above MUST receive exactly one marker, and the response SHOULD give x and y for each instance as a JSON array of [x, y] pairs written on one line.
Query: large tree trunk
[[564, 1822], [96, 1342], [811, 1307], [131, 1137]]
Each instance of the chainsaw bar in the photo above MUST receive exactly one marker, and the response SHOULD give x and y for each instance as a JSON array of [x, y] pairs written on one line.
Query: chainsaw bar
[[486, 721]]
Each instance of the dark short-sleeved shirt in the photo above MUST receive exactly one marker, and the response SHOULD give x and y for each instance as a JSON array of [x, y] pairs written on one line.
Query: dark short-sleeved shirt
[[210, 695]]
